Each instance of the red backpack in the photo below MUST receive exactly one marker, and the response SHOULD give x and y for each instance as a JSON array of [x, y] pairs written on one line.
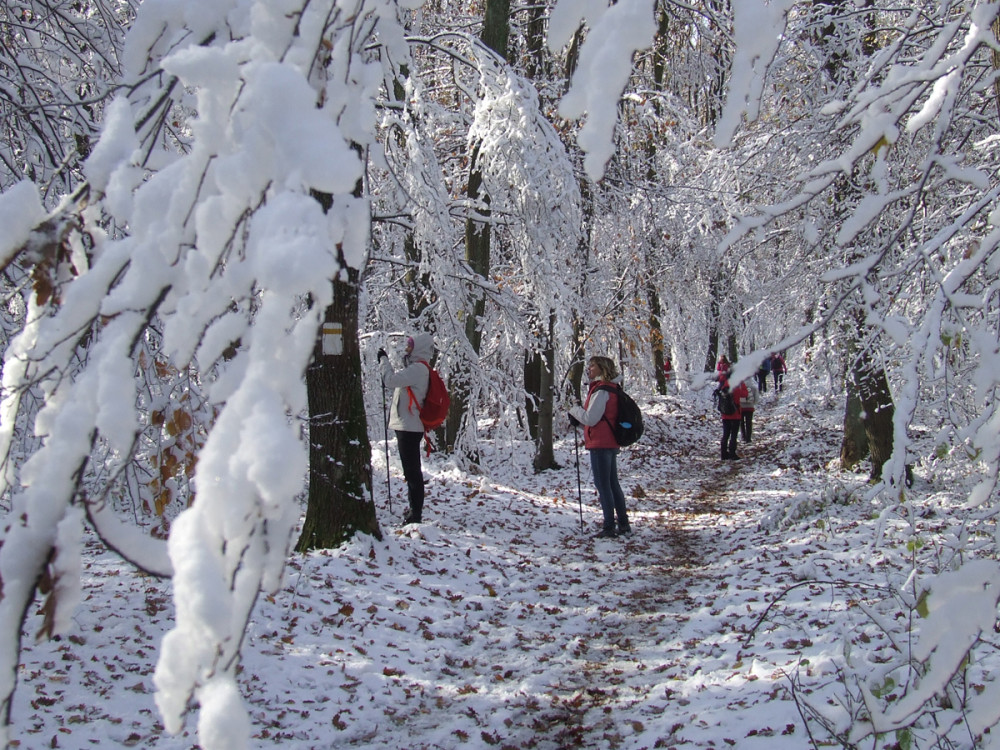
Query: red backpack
[[435, 407]]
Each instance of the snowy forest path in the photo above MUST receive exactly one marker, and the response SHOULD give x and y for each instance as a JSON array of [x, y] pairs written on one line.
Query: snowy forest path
[[684, 502], [684, 494], [498, 622]]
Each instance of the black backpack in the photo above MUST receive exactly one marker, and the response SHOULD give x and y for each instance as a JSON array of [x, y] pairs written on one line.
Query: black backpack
[[725, 402], [629, 427]]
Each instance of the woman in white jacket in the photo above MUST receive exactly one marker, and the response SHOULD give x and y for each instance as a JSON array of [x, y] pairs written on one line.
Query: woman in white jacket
[[410, 385]]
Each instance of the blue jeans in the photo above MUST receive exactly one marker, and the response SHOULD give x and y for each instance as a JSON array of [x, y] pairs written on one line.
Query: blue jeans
[[604, 464]]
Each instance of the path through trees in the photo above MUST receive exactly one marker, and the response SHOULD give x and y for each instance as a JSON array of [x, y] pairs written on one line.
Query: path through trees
[[497, 623]]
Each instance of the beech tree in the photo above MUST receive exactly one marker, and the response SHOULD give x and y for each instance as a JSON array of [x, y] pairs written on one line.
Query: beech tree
[[230, 257]]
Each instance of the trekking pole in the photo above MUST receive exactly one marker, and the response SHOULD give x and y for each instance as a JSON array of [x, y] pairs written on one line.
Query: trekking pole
[[579, 491], [385, 422]]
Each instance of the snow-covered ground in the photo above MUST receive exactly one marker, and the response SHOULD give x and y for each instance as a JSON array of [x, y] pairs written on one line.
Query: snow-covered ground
[[500, 622]]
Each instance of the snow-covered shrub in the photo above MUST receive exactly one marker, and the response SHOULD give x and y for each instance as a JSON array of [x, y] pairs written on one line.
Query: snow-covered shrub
[[807, 505]]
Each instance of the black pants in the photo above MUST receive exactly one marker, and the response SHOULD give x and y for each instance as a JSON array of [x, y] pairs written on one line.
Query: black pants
[[746, 425], [762, 381], [409, 456], [730, 431]]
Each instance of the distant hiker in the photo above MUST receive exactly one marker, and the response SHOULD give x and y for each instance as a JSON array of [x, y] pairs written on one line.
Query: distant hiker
[[762, 372], [778, 370], [667, 369], [728, 403], [598, 413], [747, 405], [404, 414], [722, 367]]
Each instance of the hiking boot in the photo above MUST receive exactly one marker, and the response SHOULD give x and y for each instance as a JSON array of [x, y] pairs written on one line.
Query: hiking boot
[[410, 517], [624, 530], [606, 534]]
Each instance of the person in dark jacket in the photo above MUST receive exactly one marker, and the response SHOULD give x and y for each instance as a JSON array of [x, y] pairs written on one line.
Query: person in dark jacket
[[778, 370], [747, 406], [597, 415], [410, 384], [762, 372]]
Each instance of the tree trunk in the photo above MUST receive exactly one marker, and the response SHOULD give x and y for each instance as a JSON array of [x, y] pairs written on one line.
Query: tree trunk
[[478, 238], [496, 29], [545, 457], [418, 297], [537, 63], [661, 49], [533, 390], [496, 26], [868, 419], [656, 338], [714, 350], [577, 364], [876, 402], [340, 477], [734, 350], [866, 380], [854, 446], [340, 502]]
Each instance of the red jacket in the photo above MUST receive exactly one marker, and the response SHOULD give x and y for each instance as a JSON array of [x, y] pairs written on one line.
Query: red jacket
[[739, 392]]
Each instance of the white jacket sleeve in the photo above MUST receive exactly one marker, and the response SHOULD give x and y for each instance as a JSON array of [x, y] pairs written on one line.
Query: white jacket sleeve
[[594, 411]]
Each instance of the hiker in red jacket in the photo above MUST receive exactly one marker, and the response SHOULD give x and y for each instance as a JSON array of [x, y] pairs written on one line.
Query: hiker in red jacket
[[729, 407]]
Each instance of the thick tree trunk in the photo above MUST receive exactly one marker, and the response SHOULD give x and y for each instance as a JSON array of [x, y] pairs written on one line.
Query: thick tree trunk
[[340, 477], [869, 399], [854, 446], [734, 350], [340, 502], [868, 418], [496, 26], [876, 401], [537, 64]]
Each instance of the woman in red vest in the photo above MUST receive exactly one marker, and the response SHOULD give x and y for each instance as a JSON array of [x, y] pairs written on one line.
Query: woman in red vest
[[597, 415]]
